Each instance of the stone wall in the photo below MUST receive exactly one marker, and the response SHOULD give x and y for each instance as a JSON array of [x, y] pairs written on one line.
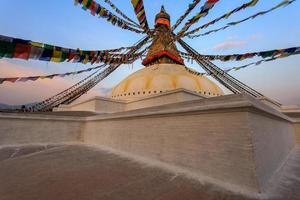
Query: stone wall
[[96, 104], [107, 105], [215, 145], [233, 139], [297, 132], [23, 129], [179, 95], [272, 140], [85, 106], [89, 106]]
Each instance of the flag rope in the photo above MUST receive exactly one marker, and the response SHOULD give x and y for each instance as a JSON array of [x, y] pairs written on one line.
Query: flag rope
[[131, 22], [139, 10], [209, 4], [97, 9], [225, 16], [51, 76], [25, 49], [264, 54], [133, 57], [283, 3], [187, 12]]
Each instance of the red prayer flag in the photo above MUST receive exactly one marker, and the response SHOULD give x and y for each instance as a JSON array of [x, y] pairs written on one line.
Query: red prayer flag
[[92, 8], [71, 56], [212, 1], [22, 51]]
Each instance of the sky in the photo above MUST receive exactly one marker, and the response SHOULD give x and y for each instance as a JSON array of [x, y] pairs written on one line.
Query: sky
[[59, 22]]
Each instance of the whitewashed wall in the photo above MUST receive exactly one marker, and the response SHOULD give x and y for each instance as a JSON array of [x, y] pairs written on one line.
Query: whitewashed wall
[[23, 129], [232, 139]]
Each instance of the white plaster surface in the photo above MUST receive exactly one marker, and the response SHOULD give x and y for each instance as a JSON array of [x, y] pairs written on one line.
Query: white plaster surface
[[195, 142], [107, 105], [272, 140], [285, 184], [25, 129], [175, 96], [230, 138], [96, 104], [297, 133]]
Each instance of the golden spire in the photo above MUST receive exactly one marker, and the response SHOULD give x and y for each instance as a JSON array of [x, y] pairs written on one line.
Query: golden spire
[[163, 48]]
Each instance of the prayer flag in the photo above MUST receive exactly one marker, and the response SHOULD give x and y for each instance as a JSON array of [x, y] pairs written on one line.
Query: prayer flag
[[47, 53], [7, 47]]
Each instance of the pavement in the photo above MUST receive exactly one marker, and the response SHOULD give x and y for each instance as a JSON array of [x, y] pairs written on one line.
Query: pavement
[[79, 172]]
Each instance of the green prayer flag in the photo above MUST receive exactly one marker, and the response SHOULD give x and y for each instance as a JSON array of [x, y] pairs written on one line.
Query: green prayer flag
[[7, 49]]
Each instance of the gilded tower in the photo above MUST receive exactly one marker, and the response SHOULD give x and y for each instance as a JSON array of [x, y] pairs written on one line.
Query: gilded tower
[[164, 71], [163, 48]]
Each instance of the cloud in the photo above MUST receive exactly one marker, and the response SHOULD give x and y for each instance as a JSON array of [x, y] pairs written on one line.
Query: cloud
[[232, 42], [229, 44], [100, 91], [232, 37], [105, 91], [256, 36], [31, 91]]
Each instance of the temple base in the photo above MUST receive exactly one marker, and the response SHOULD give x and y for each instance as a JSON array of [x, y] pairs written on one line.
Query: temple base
[[233, 139]]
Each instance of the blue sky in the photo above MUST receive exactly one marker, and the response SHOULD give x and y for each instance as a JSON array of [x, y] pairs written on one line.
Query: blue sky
[[61, 23]]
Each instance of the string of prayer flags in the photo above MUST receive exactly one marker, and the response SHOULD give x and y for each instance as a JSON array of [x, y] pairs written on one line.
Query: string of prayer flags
[[187, 12], [282, 4], [131, 22], [186, 56], [247, 65], [266, 55], [139, 10], [25, 49], [260, 62], [97, 9], [130, 58], [209, 4], [263, 54], [225, 16], [51, 76], [194, 72]]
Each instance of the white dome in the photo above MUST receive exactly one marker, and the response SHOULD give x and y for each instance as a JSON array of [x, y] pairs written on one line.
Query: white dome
[[160, 78]]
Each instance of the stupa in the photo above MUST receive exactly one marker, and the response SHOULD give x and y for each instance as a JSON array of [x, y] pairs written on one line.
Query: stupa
[[166, 113], [163, 116], [164, 69]]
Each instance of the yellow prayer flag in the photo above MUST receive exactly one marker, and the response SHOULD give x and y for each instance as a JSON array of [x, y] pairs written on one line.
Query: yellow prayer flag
[[56, 57], [135, 2], [37, 44], [253, 2]]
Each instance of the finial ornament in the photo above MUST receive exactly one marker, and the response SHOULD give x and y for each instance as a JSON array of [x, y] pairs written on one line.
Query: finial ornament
[[162, 14]]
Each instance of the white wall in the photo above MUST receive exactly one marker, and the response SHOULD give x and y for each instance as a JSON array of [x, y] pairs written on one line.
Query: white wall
[[234, 139], [162, 99], [213, 144], [107, 105], [23, 129], [297, 132], [227, 138], [272, 140]]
